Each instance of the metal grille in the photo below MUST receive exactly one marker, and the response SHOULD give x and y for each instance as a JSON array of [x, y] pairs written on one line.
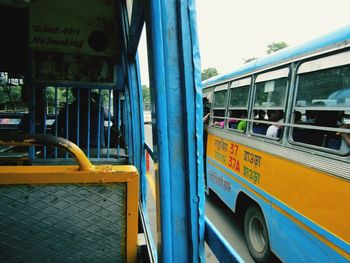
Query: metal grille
[[87, 117], [63, 223]]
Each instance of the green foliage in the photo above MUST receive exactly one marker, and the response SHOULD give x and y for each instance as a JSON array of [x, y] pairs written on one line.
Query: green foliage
[[61, 98], [146, 95], [208, 73], [275, 46], [10, 98], [15, 98], [105, 97], [10, 93]]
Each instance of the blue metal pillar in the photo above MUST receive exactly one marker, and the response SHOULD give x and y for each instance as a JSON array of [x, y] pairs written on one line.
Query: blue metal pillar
[[174, 66], [31, 106], [137, 124], [132, 79]]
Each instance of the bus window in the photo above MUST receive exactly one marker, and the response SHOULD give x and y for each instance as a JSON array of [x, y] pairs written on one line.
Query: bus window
[[13, 102], [72, 111], [238, 104], [219, 106], [207, 97], [269, 103], [323, 98]]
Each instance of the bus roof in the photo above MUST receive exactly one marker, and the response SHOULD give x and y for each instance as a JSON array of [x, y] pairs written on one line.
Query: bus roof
[[334, 40]]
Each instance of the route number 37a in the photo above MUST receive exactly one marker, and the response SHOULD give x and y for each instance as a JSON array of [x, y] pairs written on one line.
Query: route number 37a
[[233, 161]]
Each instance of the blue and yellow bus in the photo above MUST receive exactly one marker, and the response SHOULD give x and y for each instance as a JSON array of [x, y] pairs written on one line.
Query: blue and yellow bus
[[278, 150]]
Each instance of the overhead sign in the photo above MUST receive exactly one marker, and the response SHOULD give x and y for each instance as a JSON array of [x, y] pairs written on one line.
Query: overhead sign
[[77, 26], [73, 40]]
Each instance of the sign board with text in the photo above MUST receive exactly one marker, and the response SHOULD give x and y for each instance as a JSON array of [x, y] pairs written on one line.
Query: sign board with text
[[73, 40]]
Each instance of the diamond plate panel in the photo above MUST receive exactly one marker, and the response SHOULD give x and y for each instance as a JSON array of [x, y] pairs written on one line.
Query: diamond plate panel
[[63, 223]]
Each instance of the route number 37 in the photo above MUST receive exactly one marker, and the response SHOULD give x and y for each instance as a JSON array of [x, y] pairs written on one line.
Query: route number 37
[[233, 161]]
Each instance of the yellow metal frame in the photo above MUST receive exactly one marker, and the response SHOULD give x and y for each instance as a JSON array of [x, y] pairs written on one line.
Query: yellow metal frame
[[45, 140], [71, 174]]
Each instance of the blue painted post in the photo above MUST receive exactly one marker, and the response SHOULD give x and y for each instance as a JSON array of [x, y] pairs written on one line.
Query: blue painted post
[[31, 118], [78, 117], [56, 117], [99, 124], [160, 129], [132, 32], [118, 117], [89, 124], [31, 87], [45, 117], [109, 121], [174, 66], [67, 120], [140, 140]]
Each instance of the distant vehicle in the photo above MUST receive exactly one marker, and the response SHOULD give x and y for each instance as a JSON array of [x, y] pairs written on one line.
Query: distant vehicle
[[286, 170]]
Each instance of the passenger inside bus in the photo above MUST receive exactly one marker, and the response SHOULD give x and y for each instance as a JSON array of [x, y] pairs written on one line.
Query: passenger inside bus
[[274, 130], [238, 124], [320, 118], [88, 119], [220, 121], [217, 118], [232, 122], [325, 118], [259, 128], [242, 124], [345, 143], [297, 117], [219, 124]]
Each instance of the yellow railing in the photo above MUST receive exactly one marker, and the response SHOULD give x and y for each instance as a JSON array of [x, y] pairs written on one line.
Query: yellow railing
[[49, 140], [115, 187]]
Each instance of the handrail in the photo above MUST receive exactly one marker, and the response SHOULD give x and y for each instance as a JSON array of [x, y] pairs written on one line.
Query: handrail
[[48, 140], [285, 124], [223, 251]]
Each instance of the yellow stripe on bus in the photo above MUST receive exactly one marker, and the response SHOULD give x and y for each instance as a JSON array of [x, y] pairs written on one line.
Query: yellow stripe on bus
[[318, 196], [318, 236], [151, 184], [239, 181]]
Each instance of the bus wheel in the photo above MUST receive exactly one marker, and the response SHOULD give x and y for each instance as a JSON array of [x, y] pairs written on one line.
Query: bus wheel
[[256, 234]]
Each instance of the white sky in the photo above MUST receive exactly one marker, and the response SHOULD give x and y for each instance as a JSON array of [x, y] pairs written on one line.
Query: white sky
[[233, 30]]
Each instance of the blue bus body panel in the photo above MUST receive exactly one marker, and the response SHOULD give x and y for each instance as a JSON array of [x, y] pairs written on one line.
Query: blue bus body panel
[[301, 245], [282, 230], [245, 69], [312, 46]]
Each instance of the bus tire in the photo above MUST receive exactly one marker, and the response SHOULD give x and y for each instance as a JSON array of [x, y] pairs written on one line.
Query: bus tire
[[256, 234]]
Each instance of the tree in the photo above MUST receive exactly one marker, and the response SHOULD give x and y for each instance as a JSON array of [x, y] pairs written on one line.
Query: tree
[[10, 97], [208, 73], [61, 98], [146, 94], [275, 46]]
